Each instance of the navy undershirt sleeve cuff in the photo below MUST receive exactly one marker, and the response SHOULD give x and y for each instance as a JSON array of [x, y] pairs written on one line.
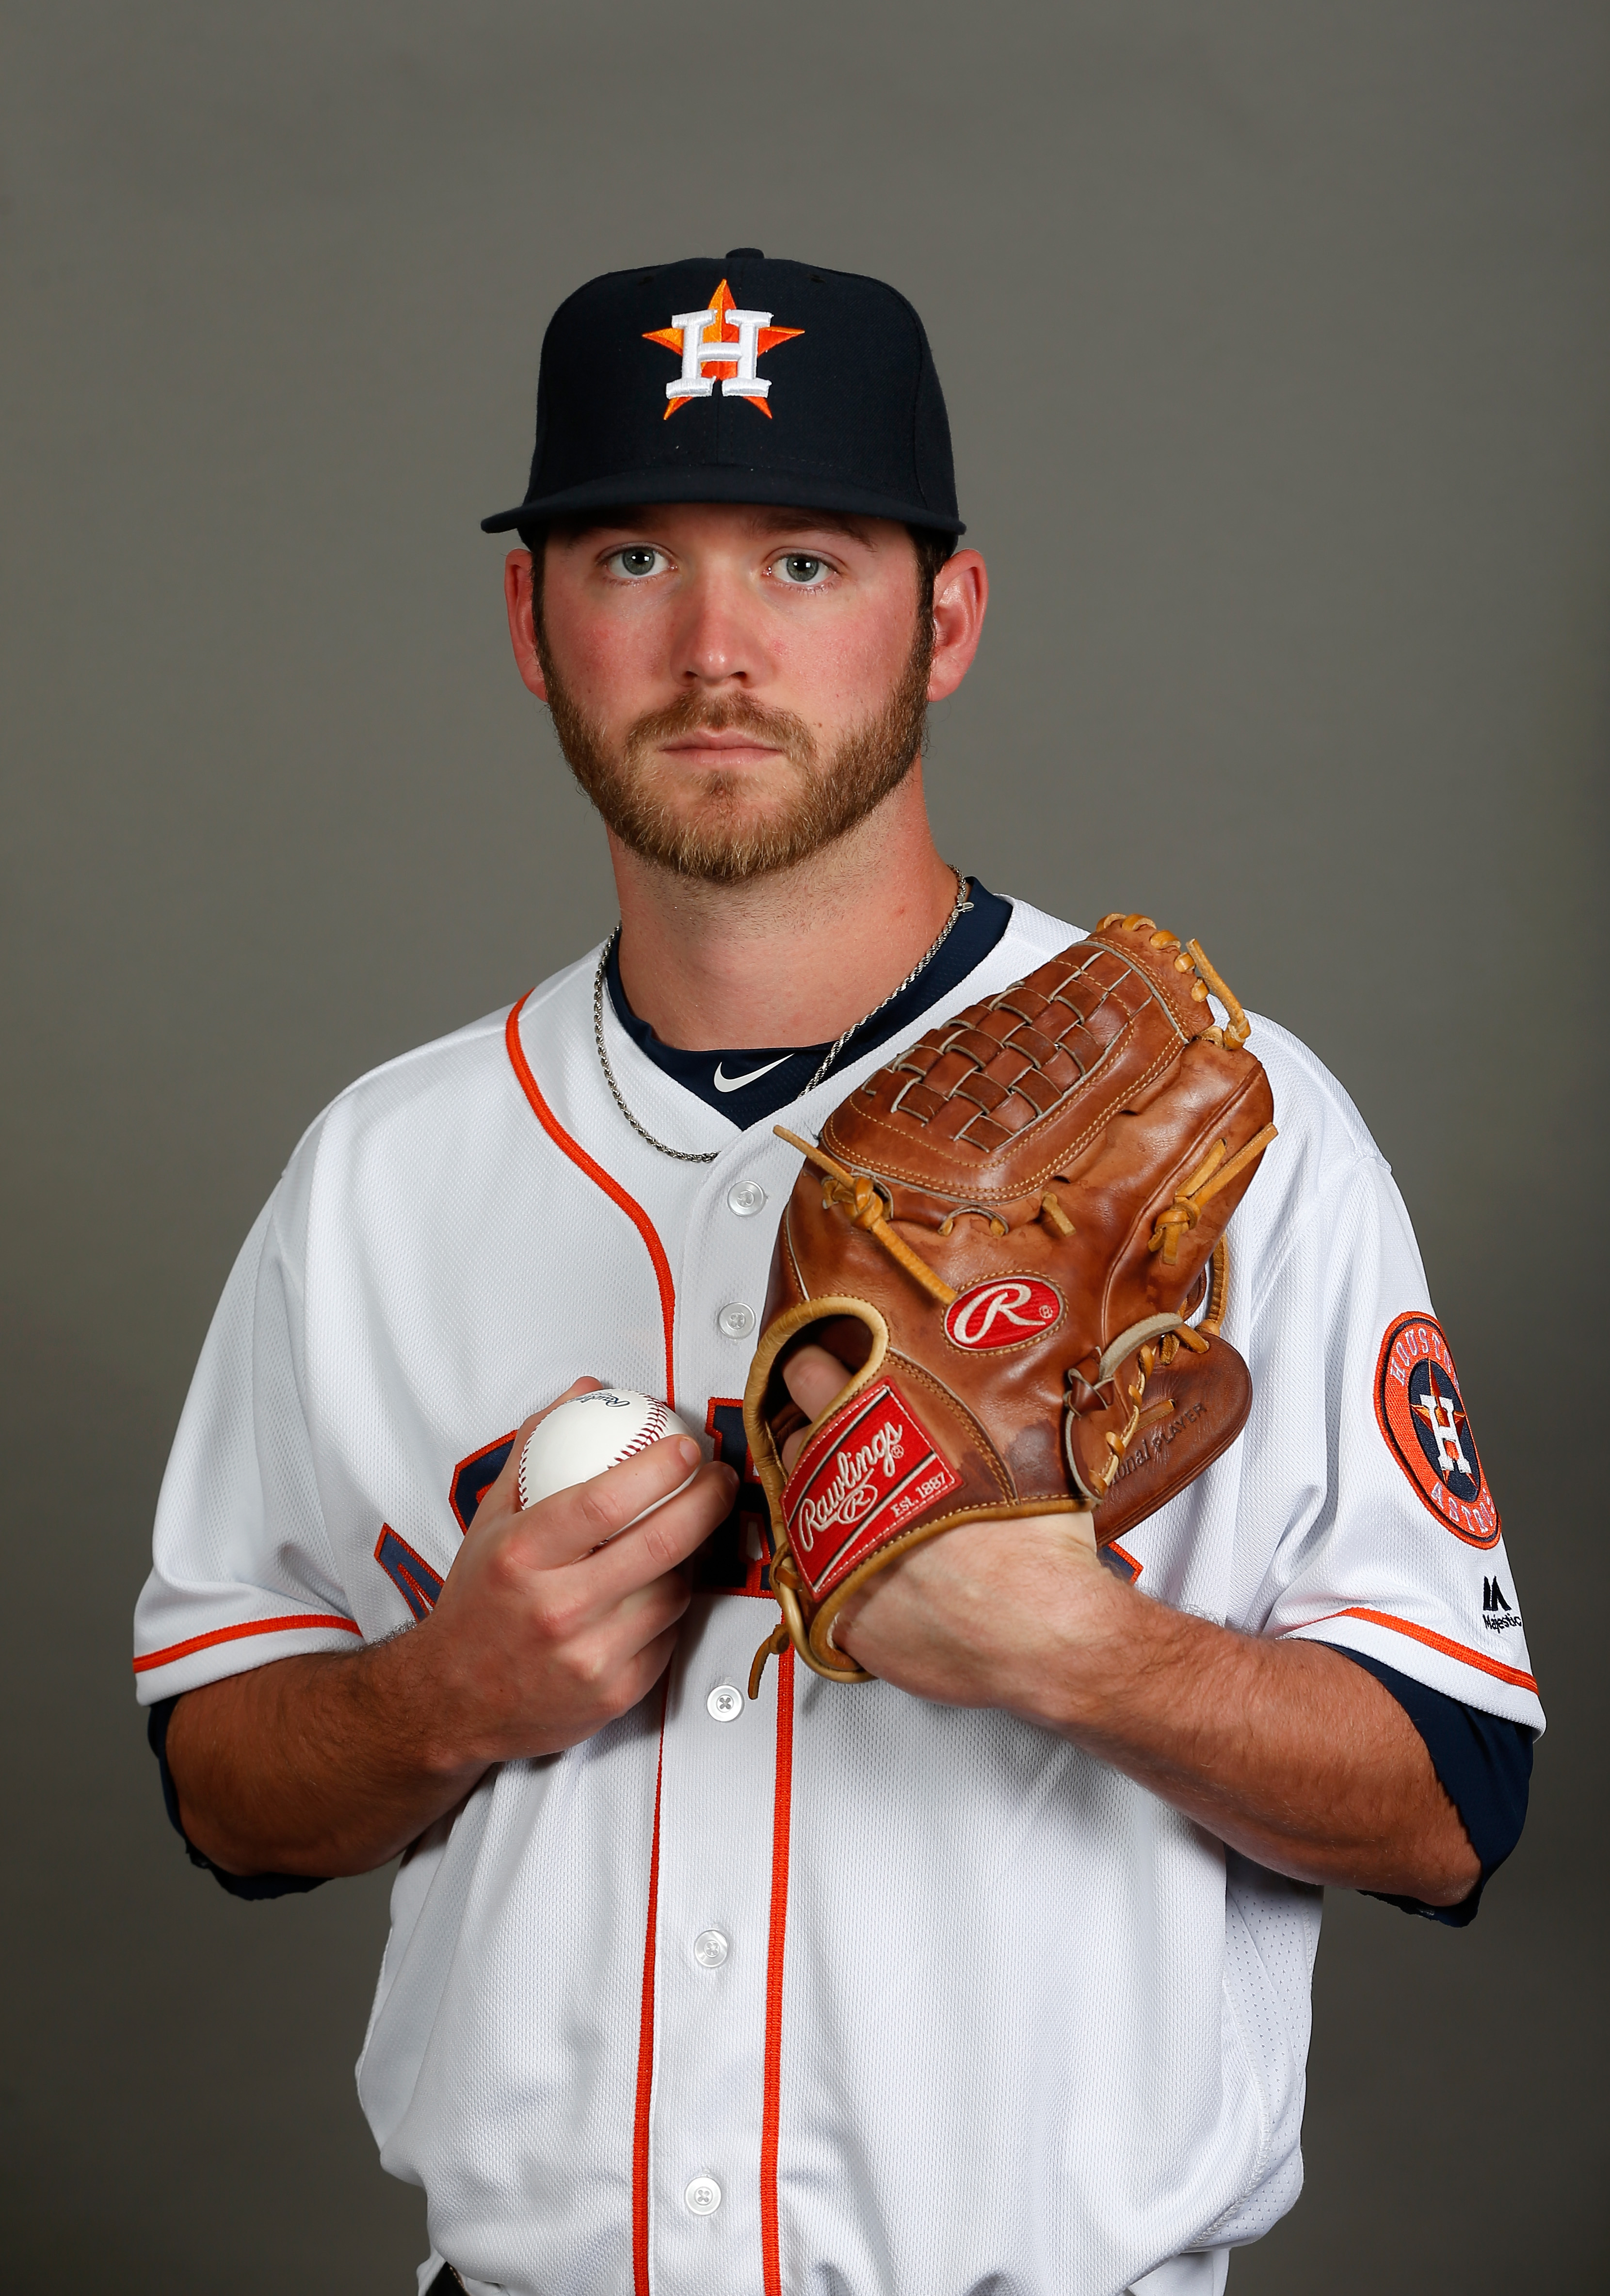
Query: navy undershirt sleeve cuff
[[239, 1885], [1484, 1764]]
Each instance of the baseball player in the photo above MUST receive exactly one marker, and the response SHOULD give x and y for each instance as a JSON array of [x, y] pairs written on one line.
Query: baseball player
[[991, 1970]]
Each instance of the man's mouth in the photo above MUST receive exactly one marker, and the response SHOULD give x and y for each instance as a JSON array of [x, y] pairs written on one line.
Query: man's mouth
[[730, 740]]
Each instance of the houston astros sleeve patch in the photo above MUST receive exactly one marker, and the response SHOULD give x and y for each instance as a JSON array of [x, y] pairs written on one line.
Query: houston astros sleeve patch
[[1421, 1413]]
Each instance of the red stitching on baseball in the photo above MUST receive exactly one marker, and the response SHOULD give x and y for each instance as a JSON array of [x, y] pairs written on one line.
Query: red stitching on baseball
[[649, 1434]]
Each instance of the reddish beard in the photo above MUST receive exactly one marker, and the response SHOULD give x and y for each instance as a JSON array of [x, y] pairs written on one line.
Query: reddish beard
[[722, 836]]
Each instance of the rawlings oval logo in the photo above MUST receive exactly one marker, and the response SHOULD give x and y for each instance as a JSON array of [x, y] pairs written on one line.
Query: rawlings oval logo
[[1009, 1311]]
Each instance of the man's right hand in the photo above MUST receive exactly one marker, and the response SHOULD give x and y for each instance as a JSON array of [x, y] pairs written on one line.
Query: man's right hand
[[556, 1619], [553, 1621]]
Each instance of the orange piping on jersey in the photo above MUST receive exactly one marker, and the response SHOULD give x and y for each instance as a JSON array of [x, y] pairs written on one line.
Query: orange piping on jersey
[[781, 1805], [645, 2043], [1136, 1566], [252, 1627], [595, 1172], [1438, 1642]]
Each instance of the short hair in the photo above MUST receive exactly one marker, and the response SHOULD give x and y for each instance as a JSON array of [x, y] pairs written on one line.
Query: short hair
[[934, 551]]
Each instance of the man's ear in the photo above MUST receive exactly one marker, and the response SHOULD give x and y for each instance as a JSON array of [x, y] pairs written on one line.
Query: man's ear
[[961, 591], [519, 595]]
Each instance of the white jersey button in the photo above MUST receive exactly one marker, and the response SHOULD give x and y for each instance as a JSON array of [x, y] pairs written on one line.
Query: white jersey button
[[746, 1198], [703, 2196], [735, 1321], [711, 1948], [724, 1704]]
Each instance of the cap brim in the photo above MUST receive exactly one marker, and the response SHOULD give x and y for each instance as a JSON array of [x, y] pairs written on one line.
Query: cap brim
[[728, 482]]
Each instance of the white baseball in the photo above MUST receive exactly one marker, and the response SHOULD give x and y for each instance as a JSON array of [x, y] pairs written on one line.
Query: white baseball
[[592, 1433]]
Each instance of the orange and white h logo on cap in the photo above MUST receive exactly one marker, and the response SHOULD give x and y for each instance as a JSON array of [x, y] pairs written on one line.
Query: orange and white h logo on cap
[[720, 345]]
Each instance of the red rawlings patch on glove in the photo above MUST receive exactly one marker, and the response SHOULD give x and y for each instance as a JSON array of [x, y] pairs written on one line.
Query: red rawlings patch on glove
[[867, 1470]]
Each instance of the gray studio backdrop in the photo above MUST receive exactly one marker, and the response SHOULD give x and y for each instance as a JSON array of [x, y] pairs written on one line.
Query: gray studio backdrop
[[1276, 343]]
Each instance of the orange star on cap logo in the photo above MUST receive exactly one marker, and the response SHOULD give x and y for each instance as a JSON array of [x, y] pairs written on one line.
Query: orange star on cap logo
[[720, 345]]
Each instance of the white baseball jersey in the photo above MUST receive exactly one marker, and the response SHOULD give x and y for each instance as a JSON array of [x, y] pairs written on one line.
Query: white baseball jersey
[[840, 1990]]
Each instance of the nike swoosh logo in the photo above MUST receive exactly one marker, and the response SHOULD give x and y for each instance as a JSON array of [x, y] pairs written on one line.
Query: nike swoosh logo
[[737, 1083]]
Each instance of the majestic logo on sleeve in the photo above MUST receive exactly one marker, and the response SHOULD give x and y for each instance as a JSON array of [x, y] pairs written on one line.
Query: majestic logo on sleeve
[[720, 345], [1009, 1311], [1421, 1416], [1499, 1613], [867, 1470]]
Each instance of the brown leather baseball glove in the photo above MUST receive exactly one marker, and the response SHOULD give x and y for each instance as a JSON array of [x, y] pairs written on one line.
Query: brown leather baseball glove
[[1006, 1232]]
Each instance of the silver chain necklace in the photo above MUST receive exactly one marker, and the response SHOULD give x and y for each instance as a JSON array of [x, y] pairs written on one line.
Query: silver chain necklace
[[709, 1155]]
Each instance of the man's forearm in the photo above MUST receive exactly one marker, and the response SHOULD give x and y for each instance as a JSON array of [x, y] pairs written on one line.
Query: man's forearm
[[325, 1764], [554, 1620], [1286, 1750]]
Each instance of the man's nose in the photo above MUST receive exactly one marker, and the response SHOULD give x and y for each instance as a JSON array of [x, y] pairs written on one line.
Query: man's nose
[[717, 637]]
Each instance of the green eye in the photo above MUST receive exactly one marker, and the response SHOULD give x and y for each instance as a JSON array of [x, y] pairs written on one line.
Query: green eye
[[637, 561], [801, 570]]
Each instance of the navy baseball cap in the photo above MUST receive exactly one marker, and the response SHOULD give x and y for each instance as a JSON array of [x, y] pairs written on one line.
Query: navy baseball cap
[[739, 378]]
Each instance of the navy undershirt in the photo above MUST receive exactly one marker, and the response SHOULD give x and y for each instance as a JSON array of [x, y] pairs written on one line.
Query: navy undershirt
[[780, 1073], [1484, 1762]]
